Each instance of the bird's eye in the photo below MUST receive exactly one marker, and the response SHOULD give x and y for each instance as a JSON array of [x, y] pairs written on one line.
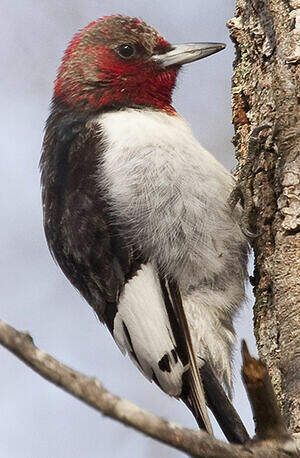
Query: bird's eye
[[126, 51]]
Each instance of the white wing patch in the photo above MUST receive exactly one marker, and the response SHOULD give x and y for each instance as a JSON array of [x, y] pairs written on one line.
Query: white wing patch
[[142, 329]]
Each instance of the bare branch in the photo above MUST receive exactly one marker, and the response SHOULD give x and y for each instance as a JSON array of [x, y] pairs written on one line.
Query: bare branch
[[90, 390]]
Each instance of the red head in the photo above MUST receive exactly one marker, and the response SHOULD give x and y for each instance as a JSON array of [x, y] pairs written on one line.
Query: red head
[[121, 61], [109, 63]]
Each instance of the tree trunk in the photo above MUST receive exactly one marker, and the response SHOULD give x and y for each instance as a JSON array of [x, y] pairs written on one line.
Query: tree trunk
[[264, 93]]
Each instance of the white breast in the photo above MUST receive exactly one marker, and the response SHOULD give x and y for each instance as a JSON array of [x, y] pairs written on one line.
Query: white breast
[[171, 195], [168, 189]]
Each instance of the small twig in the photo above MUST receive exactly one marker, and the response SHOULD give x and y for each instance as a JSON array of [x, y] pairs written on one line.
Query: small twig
[[268, 419]]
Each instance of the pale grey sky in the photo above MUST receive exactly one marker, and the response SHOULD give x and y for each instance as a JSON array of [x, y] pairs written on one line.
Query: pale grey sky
[[38, 419]]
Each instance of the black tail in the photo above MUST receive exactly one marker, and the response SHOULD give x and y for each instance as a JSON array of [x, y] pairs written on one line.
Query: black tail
[[220, 405], [222, 408], [200, 387]]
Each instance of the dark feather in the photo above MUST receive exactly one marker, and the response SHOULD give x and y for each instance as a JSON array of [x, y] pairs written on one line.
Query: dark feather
[[192, 388], [222, 408], [87, 247]]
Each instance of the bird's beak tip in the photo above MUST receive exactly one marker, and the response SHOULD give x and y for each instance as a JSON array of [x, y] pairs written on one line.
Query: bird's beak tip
[[189, 52]]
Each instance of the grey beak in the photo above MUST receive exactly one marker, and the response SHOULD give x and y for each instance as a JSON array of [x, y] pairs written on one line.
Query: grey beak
[[188, 52]]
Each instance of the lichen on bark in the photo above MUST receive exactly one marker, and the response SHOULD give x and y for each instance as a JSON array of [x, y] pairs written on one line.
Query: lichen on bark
[[265, 92]]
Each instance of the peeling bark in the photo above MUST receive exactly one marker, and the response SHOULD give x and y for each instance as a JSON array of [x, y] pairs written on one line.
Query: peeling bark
[[265, 94]]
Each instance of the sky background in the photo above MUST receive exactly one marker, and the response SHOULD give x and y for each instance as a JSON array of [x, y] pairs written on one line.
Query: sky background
[[38, 419]]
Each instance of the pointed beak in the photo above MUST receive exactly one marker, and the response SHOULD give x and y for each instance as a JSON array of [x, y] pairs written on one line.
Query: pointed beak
[[185, 53]]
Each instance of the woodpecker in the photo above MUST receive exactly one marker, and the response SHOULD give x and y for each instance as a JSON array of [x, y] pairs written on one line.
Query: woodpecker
[[136, 213]]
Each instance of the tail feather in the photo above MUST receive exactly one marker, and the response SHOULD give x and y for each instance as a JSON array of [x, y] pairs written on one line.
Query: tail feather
[[193, 392], [189, 402], [222, 408], [151, 326]]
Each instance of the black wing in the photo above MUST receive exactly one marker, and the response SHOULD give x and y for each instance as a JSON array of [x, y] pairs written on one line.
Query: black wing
[[86, 245]]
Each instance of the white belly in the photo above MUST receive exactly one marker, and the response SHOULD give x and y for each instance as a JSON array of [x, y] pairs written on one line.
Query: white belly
[[169, 190], [172, 195]]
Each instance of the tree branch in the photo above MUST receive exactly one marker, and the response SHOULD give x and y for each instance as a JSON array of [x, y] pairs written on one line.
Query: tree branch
[[90, 391]]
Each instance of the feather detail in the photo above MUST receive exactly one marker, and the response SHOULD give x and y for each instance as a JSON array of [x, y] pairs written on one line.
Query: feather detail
[[150, 325], [195, 397], [170, 196], [142, 329], [133, 207]]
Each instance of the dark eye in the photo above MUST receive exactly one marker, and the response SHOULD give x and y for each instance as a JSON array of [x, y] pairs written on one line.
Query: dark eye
[[126, 51]]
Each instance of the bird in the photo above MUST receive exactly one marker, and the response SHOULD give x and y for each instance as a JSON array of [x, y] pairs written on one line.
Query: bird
[[136, 212]]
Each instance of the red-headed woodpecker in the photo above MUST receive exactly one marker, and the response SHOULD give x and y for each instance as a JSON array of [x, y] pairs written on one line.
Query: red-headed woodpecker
[[136, 213]]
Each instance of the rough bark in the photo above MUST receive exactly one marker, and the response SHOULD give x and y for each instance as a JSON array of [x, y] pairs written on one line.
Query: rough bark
[[265, 93]]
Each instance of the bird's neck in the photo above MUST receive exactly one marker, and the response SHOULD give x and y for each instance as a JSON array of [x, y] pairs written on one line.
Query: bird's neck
[[152, 91], [103, 101]]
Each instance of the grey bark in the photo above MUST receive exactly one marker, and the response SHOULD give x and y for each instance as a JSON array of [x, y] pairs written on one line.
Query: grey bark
[[265, 95]]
